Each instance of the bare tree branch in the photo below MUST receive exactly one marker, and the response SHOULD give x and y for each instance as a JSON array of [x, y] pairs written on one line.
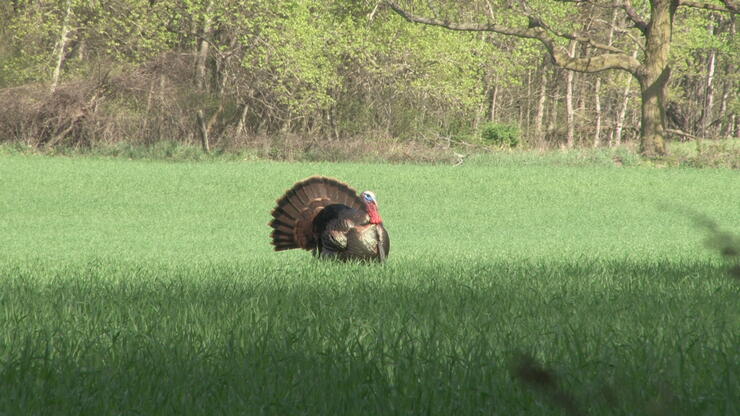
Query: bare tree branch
[[584, 39], [681, 133], [729, 7], [490, 9], [537, 30], [575, 36], [371, 16], [597, 63], [634, 17], [622, 31], [465, 27]]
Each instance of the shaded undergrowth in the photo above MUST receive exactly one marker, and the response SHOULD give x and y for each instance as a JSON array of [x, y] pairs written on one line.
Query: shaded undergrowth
[[714, 154], [103, 337]]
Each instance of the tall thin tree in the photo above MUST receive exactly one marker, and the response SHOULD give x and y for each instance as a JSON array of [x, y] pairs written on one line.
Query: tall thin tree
[[652, 71]]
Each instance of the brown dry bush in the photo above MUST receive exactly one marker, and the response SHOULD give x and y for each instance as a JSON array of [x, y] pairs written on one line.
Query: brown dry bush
[[156, 102], [141, 106], [19, 105]]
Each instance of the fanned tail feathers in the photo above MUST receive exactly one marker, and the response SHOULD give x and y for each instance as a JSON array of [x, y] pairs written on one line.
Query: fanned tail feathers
[[293, 216]]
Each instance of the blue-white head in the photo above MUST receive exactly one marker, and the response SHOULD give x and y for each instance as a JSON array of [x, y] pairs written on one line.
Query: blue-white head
[[371, 206]]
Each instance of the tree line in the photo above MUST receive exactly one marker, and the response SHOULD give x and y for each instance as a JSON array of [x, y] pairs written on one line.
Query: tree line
[[230, 73]]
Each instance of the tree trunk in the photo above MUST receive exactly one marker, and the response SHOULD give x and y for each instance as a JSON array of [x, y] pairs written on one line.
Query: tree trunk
[[202, 57], [146, 135], [552, 126], [611, 137], [724, 122], [569, 112], [597, 110], [483, 106], [62, 46], [242, 119], [654, 75], [479, 114], [541, 105], [732, 126], [203, 130], [619, 124], [729, 127], [528, 123], [652, 128], [706, 114], [597, 86], [200, 75], [520, 118], [160, 112], [494, 97]]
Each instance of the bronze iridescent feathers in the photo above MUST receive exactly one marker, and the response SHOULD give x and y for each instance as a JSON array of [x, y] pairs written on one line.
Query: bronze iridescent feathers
[[328, 217]]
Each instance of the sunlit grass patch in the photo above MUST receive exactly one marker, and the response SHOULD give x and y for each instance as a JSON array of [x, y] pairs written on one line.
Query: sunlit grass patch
[[150, 288]]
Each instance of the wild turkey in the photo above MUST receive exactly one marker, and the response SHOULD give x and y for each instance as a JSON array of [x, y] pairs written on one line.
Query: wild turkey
[[328, 217]]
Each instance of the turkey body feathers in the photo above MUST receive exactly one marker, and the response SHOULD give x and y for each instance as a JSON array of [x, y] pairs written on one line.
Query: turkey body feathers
[[328, 217]]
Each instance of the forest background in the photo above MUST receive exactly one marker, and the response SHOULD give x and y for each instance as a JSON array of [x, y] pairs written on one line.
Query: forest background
[[337, 80]]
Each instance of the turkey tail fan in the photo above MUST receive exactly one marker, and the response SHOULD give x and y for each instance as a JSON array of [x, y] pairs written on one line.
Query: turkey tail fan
[[293, 216]]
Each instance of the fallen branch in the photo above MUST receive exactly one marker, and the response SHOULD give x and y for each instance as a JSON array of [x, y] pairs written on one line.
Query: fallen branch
[[681, 133]]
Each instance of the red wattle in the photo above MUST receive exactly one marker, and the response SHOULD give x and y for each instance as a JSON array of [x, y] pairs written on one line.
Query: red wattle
[[372, 211]]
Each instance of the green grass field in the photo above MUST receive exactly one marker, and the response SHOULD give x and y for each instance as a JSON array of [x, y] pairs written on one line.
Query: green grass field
[[143, 287]]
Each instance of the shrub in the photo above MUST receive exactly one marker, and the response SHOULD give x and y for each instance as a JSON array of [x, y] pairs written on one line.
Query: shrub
[[500, 134]]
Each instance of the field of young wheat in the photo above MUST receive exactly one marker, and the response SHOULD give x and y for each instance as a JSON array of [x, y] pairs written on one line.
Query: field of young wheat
[[144, 287]]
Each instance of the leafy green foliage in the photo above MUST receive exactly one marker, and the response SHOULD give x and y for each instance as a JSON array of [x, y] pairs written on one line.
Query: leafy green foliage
[[338, 69], [500, 134]]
